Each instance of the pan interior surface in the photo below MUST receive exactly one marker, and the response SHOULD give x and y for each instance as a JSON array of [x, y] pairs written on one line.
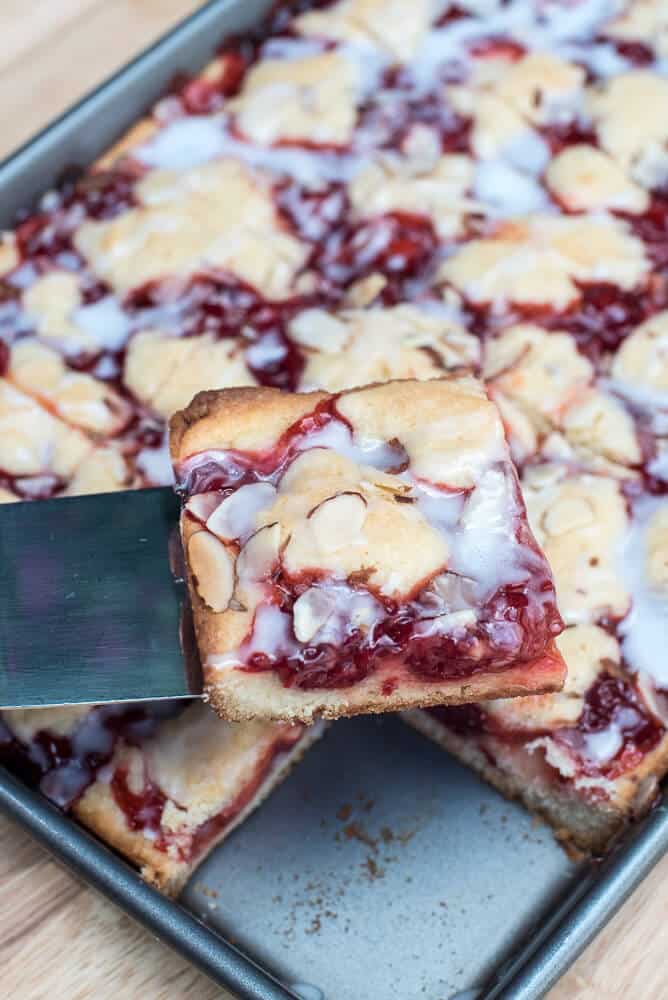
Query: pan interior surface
[[382, 868]]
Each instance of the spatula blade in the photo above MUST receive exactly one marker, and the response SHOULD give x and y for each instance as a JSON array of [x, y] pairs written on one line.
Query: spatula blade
[[91, 602]]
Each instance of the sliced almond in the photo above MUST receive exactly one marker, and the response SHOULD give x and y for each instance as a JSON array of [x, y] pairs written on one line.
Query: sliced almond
[[456, 620], [260, 553], [202, 505], [310, 612], [338, 521], [235, 517], [385, 481], [213, 570]]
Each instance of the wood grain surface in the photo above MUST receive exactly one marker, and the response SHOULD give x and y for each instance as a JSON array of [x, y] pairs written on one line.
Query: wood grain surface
[[58, 940]]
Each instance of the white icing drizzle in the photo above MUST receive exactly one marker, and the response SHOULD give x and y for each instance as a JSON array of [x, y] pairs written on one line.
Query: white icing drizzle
[[482, 546], [189, 142], [658, 467], [528, 152], [364, 451], [600, 747], [272, 634], [555, 26], [156, 464], [644, 630], [186, 142], [268, 350], [235, 517], [508, 191], [652, 402], [105, 322]]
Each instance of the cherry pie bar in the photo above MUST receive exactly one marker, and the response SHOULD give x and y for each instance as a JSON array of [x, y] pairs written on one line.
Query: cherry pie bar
[[365, 190], [162, 782], [360, 552]]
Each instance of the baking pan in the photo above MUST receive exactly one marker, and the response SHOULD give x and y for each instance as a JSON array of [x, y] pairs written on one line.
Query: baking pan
[[382, 869]]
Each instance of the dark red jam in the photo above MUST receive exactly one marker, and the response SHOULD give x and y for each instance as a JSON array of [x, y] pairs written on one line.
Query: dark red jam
[[611, 701], [220, 305], [65, 766], [652, 228], [399, 246], [636, 52], [600, 319], [497, 48], [397, 106], [143, 809], [242, 468], [560, 135], [504, 636]]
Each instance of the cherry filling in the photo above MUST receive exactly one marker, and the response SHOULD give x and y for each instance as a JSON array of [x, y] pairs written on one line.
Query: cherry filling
[[400, 246], [65, 766], [652, 228], [142, 810], [396, 106], [599, 320], [611, 703], [560, 135], [636, 52], [200, 96], [508, 631], [45, 238]]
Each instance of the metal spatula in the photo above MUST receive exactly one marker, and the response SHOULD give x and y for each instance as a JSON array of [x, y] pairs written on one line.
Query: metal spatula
[[93, 606]]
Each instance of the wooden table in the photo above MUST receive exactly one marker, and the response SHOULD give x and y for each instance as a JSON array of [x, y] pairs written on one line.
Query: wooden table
[[57, 939]]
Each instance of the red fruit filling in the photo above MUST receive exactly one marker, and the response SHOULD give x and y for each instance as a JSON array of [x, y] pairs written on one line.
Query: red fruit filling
[[65, 766], [610, 702]]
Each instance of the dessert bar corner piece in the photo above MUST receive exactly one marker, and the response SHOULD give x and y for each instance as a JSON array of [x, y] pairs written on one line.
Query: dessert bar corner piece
[[360, 552], [162, 782]]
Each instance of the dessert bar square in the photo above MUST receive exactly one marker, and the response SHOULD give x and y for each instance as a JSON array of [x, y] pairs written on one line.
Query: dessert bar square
[[360, 552]]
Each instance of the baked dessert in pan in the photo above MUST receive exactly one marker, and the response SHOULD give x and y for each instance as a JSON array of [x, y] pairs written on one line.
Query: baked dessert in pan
[[362, 192], [360, 552]]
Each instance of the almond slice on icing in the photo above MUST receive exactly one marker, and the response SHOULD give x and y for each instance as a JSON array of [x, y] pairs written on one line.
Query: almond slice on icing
[[235, 516], [338, 521], [213, 570], [202, 505], [310, 612], [260, 553]]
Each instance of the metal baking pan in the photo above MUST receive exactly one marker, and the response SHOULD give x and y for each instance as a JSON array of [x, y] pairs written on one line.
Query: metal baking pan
[[381, 869]]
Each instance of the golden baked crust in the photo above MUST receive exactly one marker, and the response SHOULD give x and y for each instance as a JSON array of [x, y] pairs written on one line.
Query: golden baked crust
[[247, 418]]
